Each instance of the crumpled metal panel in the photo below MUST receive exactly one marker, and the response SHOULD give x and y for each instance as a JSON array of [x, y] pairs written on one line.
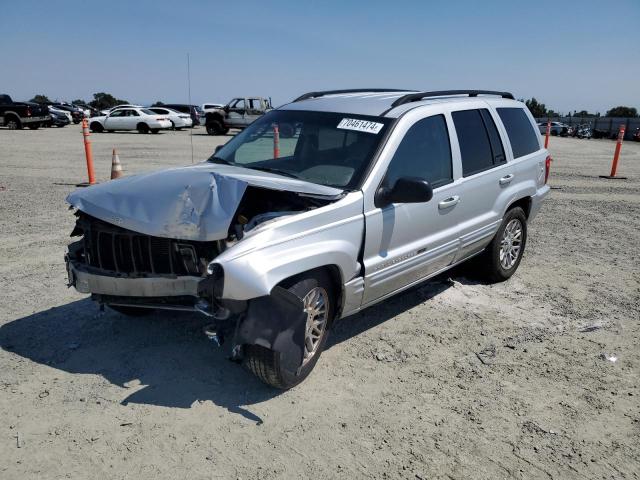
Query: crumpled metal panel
[[180, 203]]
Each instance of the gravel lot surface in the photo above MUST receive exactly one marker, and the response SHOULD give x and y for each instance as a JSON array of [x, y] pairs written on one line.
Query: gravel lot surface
[[453, 379]]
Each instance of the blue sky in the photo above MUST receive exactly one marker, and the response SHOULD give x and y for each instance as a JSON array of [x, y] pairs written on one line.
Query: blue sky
[[568, 54]]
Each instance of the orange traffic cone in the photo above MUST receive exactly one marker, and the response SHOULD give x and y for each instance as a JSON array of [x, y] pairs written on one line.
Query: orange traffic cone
[[116, 166]]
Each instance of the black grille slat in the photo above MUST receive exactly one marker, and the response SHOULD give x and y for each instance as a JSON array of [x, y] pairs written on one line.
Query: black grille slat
[[116, 249]]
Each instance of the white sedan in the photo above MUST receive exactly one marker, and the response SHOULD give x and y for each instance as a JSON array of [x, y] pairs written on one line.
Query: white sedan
[[178, 119], [141, 119]]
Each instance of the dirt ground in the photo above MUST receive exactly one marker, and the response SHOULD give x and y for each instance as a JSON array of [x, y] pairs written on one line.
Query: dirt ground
[[538, 377]]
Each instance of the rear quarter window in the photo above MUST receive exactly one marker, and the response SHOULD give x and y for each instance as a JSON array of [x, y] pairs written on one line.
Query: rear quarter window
[[522, 136]]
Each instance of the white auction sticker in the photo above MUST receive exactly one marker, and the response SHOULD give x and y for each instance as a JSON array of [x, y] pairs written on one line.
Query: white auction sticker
[[360, 125]]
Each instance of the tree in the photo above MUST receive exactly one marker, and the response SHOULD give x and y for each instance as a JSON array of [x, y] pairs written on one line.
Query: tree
[[102, 101], [537, 109], [40, 99], [78, 101], [158, 104], [585, 114], [622, 112]]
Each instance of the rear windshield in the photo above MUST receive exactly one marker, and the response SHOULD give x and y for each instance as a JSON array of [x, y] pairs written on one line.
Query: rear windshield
[[330, 149], [522, 136], [147, 111]]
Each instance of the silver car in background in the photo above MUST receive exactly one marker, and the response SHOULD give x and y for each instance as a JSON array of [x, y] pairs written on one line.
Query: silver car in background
[[317, 210]]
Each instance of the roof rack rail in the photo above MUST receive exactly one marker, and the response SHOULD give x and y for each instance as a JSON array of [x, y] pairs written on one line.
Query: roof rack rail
[[415, 97], [306, 96]]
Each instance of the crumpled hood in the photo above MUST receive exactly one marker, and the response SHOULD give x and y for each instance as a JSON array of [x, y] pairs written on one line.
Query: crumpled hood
[[189, 203]]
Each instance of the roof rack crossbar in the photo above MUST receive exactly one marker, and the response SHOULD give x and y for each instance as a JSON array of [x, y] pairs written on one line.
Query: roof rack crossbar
[[415, 97], [306, 96]]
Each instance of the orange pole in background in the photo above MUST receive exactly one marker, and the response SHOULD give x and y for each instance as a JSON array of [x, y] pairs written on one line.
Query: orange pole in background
[[546, 137], [616, 155], [87, 151], [276, 141]]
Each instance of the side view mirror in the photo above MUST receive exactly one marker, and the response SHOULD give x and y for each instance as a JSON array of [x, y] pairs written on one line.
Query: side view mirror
[[218, 148], [405, 190], [226, 108]]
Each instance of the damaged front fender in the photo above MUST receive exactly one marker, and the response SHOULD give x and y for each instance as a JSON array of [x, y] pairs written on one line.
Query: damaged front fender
[[277, 322]]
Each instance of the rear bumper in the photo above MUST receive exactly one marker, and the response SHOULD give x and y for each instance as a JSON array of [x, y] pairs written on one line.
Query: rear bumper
[[537, 199], [27, 120]]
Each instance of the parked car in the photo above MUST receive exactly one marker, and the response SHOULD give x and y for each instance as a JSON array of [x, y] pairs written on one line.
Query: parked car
[[15, 115], [194, 111], [59, 111], [238, 113], [636, 135], [76, 113], [59, 118], [140, 119], [275, 239], [178, 119], [557, 128]]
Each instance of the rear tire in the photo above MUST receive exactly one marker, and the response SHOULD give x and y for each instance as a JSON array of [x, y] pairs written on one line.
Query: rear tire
[[143, 128], [502, 256], [13, 123], [317, 290], [34, 126], [132, 311], [155, 130]]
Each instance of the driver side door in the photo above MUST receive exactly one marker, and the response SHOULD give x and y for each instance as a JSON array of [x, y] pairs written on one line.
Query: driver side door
[[236, 116], [115, 120], [406, 242]]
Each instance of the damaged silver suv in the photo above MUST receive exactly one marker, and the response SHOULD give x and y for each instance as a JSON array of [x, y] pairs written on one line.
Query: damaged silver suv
[[319, 209]]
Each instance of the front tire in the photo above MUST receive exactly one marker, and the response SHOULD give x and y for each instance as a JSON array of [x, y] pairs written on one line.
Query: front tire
[[502, 256], [155, 130], [317, 291], [215, 127], [96, 127], [34, 126]]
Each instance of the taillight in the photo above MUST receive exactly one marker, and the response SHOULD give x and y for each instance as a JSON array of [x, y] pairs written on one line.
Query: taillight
[[547, 168], [28, 111]]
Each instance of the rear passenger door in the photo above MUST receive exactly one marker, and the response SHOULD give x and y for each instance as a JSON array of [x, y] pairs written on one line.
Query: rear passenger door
[[485, 172]]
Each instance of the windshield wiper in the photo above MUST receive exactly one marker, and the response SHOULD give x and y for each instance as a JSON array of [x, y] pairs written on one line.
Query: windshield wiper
[[219, 160], [275, 170]]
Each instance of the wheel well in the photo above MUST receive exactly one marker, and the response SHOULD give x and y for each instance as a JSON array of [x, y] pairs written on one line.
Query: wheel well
[[333, 271], [11, 115], [524, 204], [214, 116], [141, 124]]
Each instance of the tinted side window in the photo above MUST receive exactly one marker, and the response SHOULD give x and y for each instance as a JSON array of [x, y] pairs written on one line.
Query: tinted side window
[[424, 152], [475, 147], [497, 150], [522, 136]]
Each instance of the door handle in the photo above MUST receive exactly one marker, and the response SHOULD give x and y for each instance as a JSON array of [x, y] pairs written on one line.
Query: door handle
[[448, 202], [506, 179]]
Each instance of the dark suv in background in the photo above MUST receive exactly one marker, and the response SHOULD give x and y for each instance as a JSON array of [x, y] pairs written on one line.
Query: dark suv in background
[[195, 111]]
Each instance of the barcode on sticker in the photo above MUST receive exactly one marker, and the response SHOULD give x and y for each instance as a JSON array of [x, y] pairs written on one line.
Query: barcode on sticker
[[360, 125]]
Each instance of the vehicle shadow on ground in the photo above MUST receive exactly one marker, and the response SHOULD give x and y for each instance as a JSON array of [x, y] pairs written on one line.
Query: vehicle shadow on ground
[[164, 358]]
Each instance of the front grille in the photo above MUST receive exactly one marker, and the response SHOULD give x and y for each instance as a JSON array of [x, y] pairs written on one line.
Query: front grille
[[116, 249]]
